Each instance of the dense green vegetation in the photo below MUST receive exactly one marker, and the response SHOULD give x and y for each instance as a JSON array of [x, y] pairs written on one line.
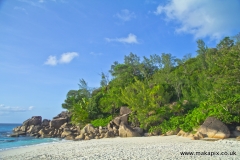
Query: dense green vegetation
[[164, 92]]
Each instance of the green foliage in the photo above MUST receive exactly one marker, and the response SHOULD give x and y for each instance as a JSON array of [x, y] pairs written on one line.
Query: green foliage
[[172, 124], [199, 114], [156, 88], [101, 121], [145, 100], [79, 112], [110, 101]]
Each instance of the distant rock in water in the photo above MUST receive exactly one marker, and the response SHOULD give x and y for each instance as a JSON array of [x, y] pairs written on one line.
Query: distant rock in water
[[45, 128], [35, 120]]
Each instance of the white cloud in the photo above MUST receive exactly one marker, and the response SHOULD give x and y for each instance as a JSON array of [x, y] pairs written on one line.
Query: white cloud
[[125, 15], [52, 61], [68, 57], [41, 1], [65, 58], [7, 109], [130, 39], [203, 18], [30, 108]]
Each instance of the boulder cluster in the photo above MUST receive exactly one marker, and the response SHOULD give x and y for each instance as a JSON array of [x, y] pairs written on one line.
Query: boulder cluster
[[60, 127], [45, 128]]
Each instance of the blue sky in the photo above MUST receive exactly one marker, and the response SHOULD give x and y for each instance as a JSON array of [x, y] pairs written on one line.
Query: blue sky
[[46, 46]]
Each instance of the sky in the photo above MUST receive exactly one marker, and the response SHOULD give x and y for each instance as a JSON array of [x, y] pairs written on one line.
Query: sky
[[47, 46]]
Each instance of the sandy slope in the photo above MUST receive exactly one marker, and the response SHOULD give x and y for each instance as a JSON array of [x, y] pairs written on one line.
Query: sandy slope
[[158, 147]]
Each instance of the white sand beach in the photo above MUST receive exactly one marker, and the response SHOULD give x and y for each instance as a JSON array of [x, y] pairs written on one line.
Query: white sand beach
[[156, 147]]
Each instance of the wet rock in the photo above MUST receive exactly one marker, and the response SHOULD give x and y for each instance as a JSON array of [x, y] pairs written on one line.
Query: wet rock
[[14, 135]]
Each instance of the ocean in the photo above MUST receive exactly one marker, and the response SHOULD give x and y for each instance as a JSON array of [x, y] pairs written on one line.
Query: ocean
[[7, 142]]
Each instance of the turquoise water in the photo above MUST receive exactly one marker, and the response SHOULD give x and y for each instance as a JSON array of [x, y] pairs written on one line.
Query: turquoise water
[[7, 142]]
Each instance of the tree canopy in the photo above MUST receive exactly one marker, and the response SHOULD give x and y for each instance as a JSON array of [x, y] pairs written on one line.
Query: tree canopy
[[164, 92]]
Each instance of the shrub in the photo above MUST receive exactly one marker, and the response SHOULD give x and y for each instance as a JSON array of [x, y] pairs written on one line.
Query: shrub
[[172, 124], [101, 121], [198, 115]]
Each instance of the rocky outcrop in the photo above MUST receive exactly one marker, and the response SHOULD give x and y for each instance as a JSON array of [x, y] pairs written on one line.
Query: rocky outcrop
[[235, 133], [214, 128], [63, 114], [17, 134], [238, 138], [35, 120], [34, 129], [126, 131], [45, 122], [124, 110], [45, 129], [88, 129], [237, 128], [60, 127], [173, 132], [185, 134], [28, 126], [121, 119], [57, 123]]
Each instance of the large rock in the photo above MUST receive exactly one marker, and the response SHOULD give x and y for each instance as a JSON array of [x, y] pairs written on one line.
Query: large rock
[[183, 134], [172, 132], [20, 133], [238, 128], [57, 123], [120, 119], [88, 129], [238, 138], [236, 133], [45, 122], [110, 126], [70, 137], [126, 131], [214, 128], [35, 120], [109, 134], [66, 133], [80, 137], [45, 131], [138, 130], [16, 129], [124, 110], [34, 129], [23, 128], [63, 114], [102, 130], [26, 123]]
